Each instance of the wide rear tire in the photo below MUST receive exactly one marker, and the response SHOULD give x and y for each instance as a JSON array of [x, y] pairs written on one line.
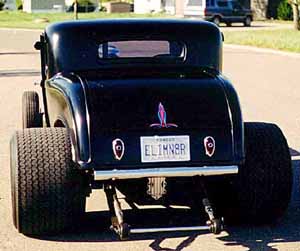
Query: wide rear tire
[[31, 116], [48, 192], [261, 191]]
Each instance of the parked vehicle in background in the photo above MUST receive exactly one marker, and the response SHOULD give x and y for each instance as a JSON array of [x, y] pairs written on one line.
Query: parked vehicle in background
[[228, 12], [219, 11]]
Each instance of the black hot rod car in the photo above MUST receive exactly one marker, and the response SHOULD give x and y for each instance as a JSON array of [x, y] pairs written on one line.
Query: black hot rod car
[[141, 106]]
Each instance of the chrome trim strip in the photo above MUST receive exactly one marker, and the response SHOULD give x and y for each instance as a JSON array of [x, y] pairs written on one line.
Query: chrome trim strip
[[164, 172], [168, 229]]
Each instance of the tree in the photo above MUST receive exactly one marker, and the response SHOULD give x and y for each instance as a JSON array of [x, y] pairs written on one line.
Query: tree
[[295, 5], [76, 9]]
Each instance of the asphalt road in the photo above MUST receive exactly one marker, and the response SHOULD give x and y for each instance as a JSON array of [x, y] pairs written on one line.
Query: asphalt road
[[269, 89]]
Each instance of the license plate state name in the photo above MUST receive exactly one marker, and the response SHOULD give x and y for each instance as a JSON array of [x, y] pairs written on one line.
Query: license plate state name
[[165, 148]]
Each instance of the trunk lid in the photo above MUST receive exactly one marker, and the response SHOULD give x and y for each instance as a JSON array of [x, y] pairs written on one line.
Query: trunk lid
[[135, 108]]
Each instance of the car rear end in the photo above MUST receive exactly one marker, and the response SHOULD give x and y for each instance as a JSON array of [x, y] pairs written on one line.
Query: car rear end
[[157, 104], [145, 110], [141, 106], [168, 122]]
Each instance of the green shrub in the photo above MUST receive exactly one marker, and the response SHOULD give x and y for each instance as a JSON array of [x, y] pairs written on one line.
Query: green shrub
[[85, 2], [284, 11], [19, 4], [1, 4], [83, 6]]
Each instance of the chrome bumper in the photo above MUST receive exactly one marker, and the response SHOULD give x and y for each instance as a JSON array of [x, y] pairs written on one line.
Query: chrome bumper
[[164, 172]]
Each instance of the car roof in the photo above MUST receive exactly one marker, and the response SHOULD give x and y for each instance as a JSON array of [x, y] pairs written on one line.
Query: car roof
[[71, 43], [108, 27], [127, 21]]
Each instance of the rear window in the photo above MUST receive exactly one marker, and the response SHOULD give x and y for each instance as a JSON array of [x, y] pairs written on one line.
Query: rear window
[[141, 49]]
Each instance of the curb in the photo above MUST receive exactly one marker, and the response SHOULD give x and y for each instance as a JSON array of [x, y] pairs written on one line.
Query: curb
[[21, 29]]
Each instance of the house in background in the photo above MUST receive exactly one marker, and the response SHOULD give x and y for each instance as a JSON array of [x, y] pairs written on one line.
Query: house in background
[[193, 8], [48, 5], [43, 6], [173, 7], [147, 6], [10, 5]]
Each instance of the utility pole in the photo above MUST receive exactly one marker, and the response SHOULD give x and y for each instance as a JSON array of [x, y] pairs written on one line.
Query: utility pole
[[295, 6], [76, 9]]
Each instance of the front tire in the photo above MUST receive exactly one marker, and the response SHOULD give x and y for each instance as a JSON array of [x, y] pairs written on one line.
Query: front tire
[[261, 191], [48, 194], [31, 116]]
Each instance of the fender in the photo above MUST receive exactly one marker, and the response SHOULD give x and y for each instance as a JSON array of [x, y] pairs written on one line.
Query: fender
[[67, 96], [236, 118]]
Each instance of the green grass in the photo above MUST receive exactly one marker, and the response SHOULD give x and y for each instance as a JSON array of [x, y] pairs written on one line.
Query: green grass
[[19, 19], [279, 39]]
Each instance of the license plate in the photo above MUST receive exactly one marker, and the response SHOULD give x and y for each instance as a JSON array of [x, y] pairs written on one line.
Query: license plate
[[165, 148]]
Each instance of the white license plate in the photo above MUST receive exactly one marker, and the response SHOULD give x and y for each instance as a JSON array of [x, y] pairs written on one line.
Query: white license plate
[[165, 148]]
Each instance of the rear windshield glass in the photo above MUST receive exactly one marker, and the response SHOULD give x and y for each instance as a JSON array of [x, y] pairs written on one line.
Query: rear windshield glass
[[141, 49]]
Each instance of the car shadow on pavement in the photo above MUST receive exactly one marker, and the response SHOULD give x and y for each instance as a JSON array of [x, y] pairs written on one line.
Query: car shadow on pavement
[[269, 237], [95, 225]]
